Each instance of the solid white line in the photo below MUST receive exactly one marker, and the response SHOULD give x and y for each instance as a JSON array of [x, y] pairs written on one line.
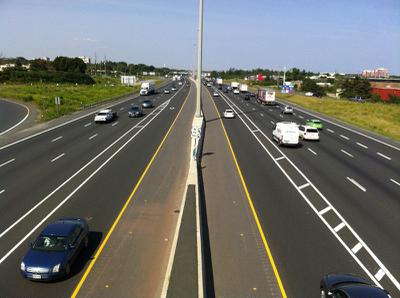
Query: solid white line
[[380, 274], [7, 162], [339, 227], [347, 153], [88, 124], [279, 158], [356, 248], [362, 145], [304, 185], [395, 182], [115, 123], [1, 191], [357, 184], [384, 156], [312, 151], [323, 211], [58, 157], [93, 136], [20, 122], [330, 130], [341, 241], [153, 113], [344, 137], [56, 139]]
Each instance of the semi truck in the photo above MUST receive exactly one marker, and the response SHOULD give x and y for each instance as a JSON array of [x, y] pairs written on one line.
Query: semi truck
[[266, 96], [235, 85], [243, 88], [147, 88]]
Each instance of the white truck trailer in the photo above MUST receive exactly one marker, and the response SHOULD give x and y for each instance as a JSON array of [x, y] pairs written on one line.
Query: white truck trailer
[[266, 96], [147, 88], [235, 85], [243, 88]]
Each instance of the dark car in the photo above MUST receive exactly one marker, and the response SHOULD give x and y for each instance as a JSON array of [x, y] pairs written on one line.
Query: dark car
[[55, 249], [147, 104], [135, 111], [252, 94], [224, 90], [350, 286], [246, 96]]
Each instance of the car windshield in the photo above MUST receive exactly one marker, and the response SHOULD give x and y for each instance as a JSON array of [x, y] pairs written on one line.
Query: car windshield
[[101, 114], [134, 109], [51, 243]]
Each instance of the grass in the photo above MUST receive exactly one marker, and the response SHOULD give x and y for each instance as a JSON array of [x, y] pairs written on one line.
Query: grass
[[381, 118], [73, 97]]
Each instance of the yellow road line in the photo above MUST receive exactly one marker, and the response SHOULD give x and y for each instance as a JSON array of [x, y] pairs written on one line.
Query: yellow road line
[[93, 261], [260, 230]]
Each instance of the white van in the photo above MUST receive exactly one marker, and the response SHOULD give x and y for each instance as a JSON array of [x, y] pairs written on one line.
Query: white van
[[286, 133]]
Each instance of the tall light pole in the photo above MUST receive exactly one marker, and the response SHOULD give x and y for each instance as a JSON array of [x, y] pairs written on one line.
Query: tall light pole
[[199, 59]]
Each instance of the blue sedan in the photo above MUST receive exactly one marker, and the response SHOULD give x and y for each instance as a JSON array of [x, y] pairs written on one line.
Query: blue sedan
[[56, 248]]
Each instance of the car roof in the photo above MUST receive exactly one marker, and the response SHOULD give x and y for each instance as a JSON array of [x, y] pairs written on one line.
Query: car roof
[[60, 228], [228, 110], [105, 111]]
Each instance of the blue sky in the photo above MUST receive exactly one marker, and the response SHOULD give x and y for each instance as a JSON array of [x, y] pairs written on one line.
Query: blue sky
[[318, 35]]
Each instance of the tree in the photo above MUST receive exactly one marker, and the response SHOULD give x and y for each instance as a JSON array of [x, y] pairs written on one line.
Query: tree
[[38, 64], [357, 87], [66, 64], [311, 86]]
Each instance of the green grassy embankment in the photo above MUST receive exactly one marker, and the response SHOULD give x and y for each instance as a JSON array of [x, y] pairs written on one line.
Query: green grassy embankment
[[73, 97]]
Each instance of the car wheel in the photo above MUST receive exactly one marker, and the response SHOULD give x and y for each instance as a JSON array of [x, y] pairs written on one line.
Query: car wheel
[[86, 242]]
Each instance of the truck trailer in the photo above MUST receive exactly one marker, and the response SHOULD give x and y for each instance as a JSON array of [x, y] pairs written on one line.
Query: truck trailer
[[266, 96], [243, 88], [147, 88]]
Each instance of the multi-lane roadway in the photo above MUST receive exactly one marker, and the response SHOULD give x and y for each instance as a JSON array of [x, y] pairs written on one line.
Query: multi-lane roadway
[[327, 206], [91, 170]]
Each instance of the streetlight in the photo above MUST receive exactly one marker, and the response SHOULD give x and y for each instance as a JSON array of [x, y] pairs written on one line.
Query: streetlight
[[199, 59]]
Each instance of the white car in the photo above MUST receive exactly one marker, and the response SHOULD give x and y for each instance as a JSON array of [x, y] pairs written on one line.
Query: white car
[[105, 116], [287, 110], [286, 133], [308, 133], [215, 94], [166, 91], [308, 94], [173, 89], [236, 91], [180, 83], [229, 114]]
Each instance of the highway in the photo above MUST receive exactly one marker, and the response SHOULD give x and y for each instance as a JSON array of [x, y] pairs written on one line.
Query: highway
[[80, 169], [327, 206], [11, 115]]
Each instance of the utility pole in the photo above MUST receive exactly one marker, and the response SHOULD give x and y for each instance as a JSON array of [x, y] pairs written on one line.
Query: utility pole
[[199, 59], [284, 75]]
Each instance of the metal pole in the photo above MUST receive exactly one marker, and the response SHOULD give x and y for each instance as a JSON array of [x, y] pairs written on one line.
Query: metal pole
[[199, 59]]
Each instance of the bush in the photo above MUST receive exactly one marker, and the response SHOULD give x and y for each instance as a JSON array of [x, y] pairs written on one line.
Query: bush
[[27, 98], [46, 76], [394, 99]]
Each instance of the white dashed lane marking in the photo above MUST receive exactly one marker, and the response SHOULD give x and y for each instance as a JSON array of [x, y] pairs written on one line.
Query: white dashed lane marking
[[7, 162], [347, 153], [115, 123], [88, 124], [312, 151], [1, 191], [344, 137], [384, 156], [330, 130], [56, 139], [357, 184], [93, 136], [57, 157], [395, 182], [362, 145]]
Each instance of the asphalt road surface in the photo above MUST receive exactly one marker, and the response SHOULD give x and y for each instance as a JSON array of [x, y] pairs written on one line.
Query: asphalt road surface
[[11, 115], [80, 169], [327, 206]]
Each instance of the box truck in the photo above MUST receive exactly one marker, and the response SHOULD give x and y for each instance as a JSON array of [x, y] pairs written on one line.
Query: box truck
[[266, 96], [243, 88], [235, 85], [147, 88]]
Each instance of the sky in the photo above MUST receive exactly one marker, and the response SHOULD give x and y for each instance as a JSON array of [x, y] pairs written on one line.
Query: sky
[[317, 35]]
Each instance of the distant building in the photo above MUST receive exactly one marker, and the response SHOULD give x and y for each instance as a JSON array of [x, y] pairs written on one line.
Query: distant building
[[44, 59], [128, 80], [85, 59], [4, 66], [376, 73]]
